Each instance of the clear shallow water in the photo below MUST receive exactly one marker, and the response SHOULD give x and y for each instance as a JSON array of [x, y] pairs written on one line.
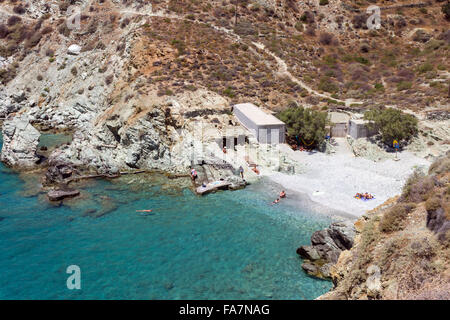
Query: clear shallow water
[[228, 245], [51, 140]]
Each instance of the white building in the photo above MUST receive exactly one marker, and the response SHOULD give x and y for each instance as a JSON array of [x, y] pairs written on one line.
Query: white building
[[358, 128], [265, 127]]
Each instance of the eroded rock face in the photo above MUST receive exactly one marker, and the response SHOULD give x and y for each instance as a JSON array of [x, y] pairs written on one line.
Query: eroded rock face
[[327, 245], [20, 141]]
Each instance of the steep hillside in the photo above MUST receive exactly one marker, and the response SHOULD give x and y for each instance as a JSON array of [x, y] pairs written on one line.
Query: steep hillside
[[117, 80], [324, 47], [402, 249]]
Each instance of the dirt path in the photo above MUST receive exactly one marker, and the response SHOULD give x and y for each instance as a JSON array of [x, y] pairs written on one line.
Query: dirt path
[[282, 65]]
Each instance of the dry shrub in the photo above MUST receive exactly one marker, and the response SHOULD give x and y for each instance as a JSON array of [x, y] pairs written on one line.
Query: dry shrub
[[406, 74], [6, 75], [19, 9], [417, 188], [439, 166], [33, 40], [393, 218], [307, 17], [433, 203], [47, 30], [311, 30], [360, 21], [4, 31], [326, 38], [109, 79], [13, 20]]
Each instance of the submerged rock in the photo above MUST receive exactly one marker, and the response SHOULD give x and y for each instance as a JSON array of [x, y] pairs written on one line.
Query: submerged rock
[[57, 195], [20, 141], [57, 172]]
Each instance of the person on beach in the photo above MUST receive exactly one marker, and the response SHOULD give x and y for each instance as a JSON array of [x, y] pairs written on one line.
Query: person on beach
[[241, 172], [193, 174], [282, 194], [224, 149]]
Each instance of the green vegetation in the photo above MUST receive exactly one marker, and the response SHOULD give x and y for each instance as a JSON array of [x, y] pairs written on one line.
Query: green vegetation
[[180, 46], [379, 86], [323, 2], [354, 58], [425, 67], [392, 124], [446, 10], [306, 124], [404, 85], [327, 85], [229, 92]]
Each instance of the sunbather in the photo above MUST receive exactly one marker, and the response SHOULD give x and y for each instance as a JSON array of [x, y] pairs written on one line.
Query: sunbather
[[193, 174]]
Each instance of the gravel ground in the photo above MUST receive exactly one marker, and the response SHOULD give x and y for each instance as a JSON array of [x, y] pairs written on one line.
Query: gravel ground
[[332, 180]]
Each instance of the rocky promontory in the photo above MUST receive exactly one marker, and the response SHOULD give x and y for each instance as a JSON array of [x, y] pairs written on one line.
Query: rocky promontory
[[20, 141], [326, 246]]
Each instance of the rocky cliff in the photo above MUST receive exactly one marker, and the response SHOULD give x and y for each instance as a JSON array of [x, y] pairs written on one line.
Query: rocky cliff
[[326, 247]]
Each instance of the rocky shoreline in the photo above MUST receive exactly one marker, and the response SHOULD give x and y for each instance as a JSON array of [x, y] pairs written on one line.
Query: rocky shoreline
[[326, 246]]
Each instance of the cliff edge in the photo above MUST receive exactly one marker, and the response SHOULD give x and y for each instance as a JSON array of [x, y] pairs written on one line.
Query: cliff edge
[[402, 248]]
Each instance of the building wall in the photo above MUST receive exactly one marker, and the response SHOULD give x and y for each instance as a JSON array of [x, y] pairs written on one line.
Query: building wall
[[339, 130], [273, 134], [359, 130]]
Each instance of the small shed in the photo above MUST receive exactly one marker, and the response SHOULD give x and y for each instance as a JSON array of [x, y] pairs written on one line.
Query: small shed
[[265, 127], [339, 124], [358, 128]]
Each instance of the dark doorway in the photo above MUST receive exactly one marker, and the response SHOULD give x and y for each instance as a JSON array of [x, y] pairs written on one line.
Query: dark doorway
[[224, 142], [235, 143]]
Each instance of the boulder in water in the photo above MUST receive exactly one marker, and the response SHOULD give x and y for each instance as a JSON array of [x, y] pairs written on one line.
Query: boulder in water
[[327, 245], [57, 195]]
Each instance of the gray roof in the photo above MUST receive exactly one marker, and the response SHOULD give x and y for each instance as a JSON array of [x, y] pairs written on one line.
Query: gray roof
[[256, 115], [339, 117]]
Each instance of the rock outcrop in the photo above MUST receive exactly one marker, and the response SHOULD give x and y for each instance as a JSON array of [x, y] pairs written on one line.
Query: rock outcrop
[[20, 141], [326, 246], [401, 253], [57, 195]]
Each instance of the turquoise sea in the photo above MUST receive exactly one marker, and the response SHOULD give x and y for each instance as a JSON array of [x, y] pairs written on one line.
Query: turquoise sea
[[227, 245]]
